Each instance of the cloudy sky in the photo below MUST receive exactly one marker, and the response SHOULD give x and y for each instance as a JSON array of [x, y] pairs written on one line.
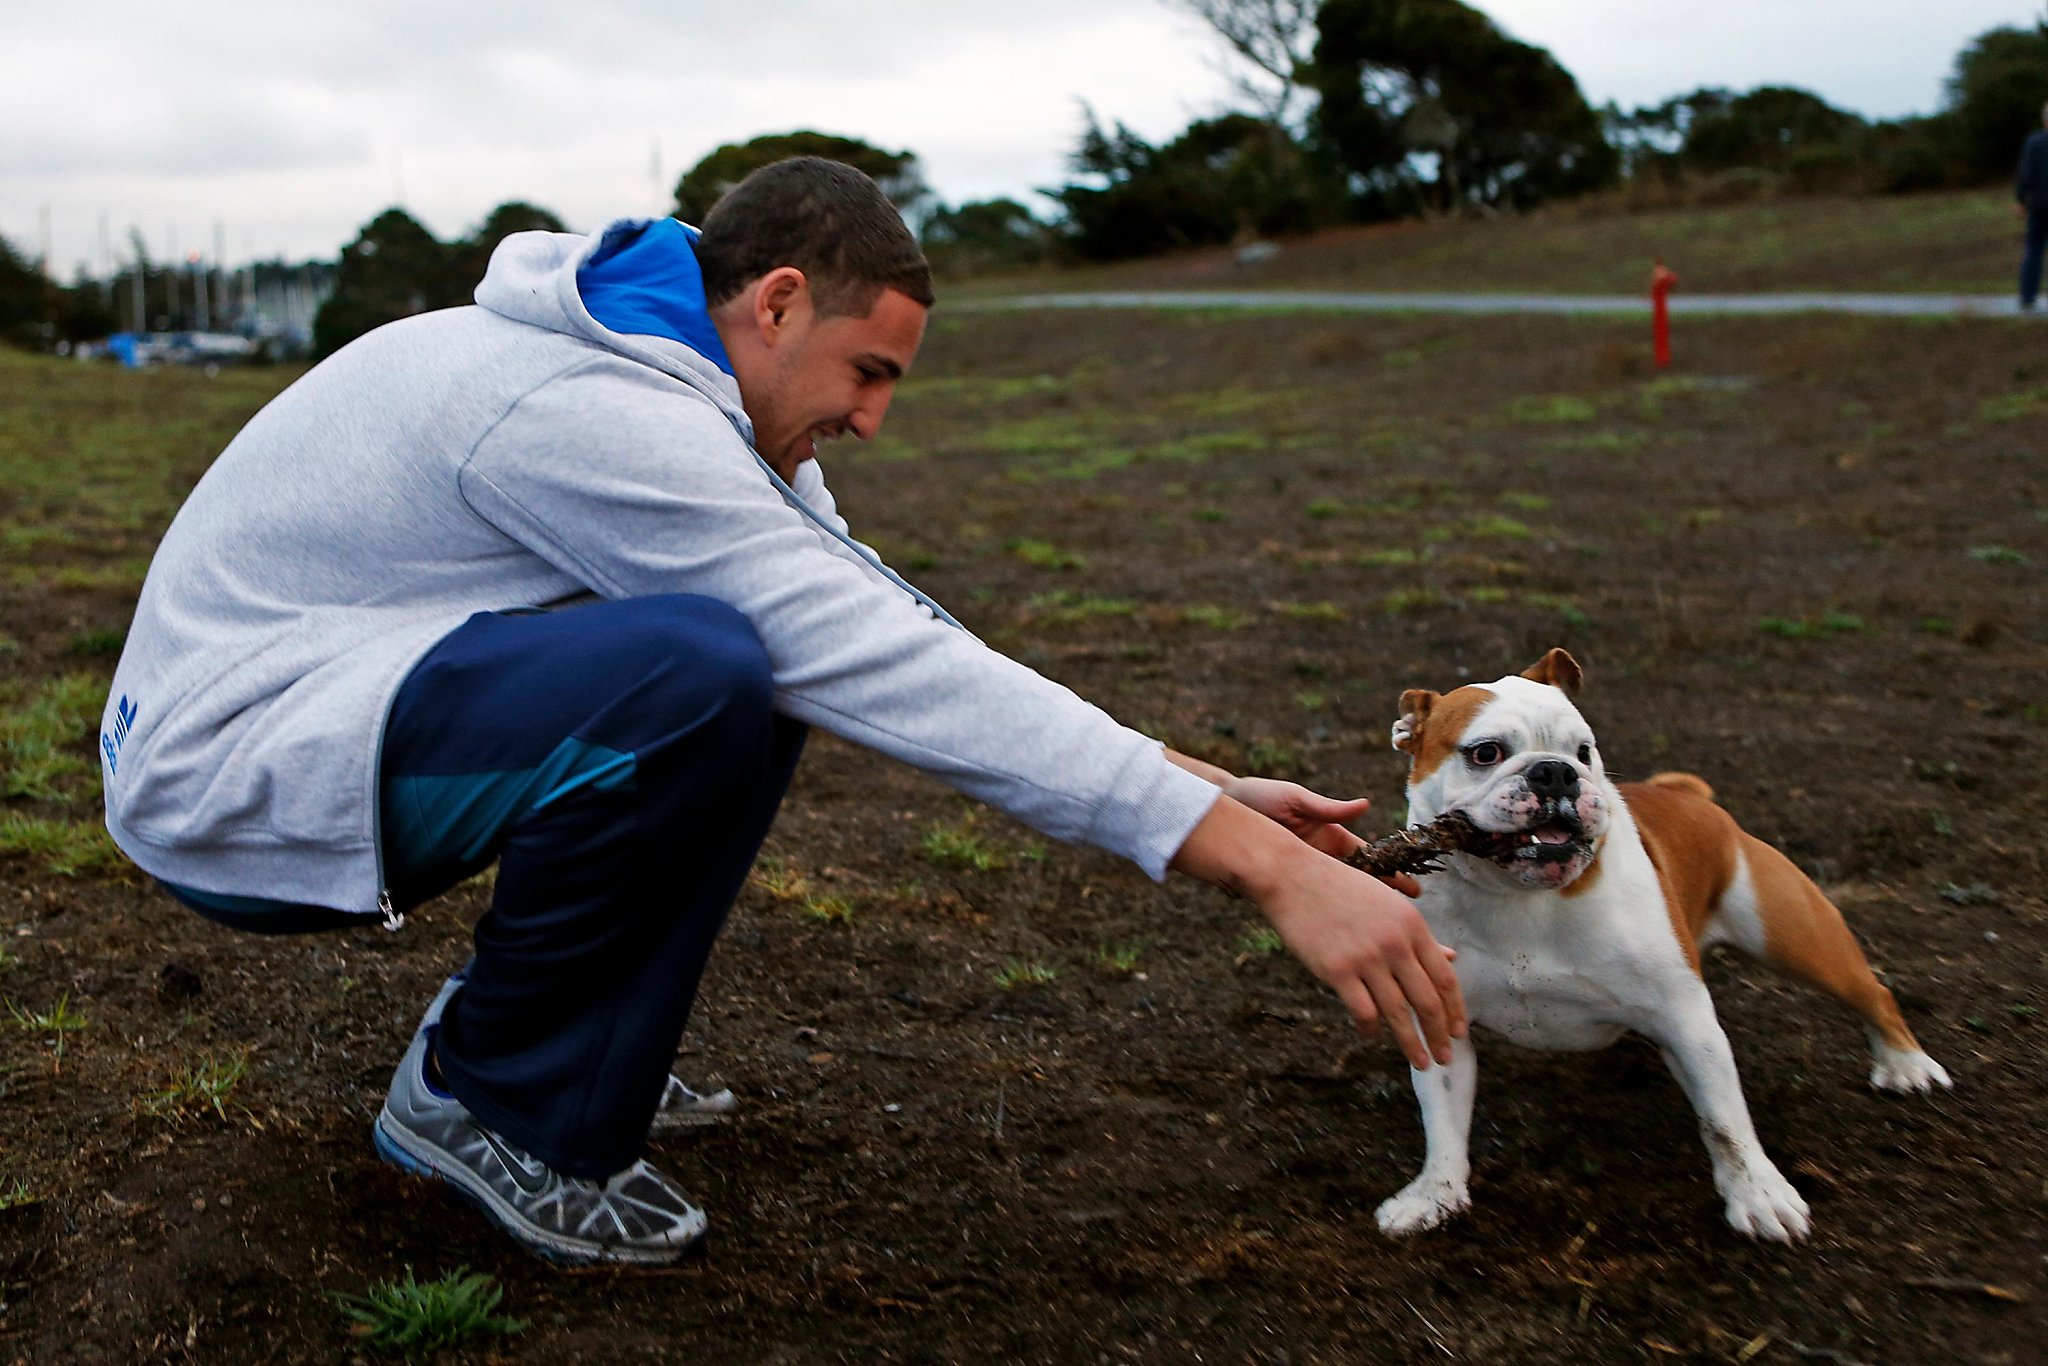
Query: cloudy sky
[[291, 124]]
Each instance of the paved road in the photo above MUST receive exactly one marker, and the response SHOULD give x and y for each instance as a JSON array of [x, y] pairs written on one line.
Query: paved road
[[1886, 305]]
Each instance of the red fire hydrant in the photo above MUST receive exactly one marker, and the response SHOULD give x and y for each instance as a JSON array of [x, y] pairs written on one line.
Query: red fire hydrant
[[1661, 281]]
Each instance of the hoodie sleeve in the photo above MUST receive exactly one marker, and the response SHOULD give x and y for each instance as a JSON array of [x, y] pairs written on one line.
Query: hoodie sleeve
[[631, 483]]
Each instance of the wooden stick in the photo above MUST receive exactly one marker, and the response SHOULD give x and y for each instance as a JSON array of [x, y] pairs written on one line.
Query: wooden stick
[[1421, 849]]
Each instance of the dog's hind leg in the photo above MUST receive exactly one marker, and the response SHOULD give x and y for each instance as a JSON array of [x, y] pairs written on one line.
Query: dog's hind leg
[[1439, 1191], [1774, 912]]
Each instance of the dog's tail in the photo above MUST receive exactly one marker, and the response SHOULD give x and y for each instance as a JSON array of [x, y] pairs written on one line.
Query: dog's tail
[[1684, 782]]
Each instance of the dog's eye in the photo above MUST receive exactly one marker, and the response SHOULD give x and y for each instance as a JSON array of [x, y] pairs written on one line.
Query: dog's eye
[[1585, 754], [1485, 754]]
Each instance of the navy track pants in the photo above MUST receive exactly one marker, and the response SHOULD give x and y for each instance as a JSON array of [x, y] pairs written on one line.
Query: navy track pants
[[621, 763]]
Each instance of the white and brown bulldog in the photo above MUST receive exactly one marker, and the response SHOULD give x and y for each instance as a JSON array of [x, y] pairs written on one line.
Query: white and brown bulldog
[[1588, 919]]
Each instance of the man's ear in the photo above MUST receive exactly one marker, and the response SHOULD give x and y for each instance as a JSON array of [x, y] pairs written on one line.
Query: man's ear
[[780, 297], [1416, 705], [1559, 670]]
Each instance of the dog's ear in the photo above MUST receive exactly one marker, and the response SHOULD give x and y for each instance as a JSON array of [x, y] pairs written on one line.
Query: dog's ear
[[1559, 670], [1415, 708]]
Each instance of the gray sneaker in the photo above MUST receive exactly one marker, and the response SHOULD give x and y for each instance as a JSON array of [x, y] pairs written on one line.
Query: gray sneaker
[[636, 1216], [682, 1108]]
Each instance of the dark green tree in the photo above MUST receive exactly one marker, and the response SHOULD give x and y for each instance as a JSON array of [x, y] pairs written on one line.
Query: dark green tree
[[28, 302], [984, 235], [1995, 97], [396, 268], [472, 254], [706, 182], [393, 269], [1788, 136], [1427, 105], [1221, 179]]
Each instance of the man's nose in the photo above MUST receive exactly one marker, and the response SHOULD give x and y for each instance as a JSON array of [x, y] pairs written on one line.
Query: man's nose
[[866, 418]]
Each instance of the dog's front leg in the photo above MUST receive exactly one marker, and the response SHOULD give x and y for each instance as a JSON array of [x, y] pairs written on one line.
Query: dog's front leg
[[1760, 1201], [1439, 1191]]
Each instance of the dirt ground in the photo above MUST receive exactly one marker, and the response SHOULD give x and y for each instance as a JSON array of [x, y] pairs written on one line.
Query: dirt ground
[[1807, 565]]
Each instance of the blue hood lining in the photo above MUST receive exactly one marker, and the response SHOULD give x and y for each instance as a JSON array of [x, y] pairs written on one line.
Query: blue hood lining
[[643, 280]]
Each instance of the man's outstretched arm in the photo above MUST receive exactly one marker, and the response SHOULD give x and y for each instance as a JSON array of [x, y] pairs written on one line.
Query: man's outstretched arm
[[1361, 937]]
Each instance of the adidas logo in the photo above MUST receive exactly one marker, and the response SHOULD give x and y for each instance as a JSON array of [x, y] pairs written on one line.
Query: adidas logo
[[124, 721]]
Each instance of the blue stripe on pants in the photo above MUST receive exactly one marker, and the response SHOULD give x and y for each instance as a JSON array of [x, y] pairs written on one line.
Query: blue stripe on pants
[[622, 763]]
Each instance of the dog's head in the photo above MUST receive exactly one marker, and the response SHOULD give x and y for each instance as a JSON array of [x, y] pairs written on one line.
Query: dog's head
[[1517, 759]]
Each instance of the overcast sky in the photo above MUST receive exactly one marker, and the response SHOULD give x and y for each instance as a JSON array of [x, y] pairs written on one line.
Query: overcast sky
[[293, 124]]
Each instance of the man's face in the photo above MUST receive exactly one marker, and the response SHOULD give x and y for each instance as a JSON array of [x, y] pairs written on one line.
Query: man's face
[[822, 379]]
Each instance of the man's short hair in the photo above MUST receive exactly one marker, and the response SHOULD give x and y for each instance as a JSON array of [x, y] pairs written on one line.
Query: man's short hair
[[825, 218]]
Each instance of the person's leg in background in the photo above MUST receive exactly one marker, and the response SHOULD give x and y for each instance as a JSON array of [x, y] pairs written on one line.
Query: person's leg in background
[[2031, 258], [622, 763]]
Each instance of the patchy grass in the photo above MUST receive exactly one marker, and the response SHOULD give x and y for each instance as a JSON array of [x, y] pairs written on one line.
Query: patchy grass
[[418, 1318], [46, 738], [1997, 554], [2027, 403], [1044, 554], [958, 844], [828, 909], [1066, 609], [1260, 941], [1117, 961], [204, 1086], [61, 1020], [1211, 617], [1823, 627], [16, 1191], [1552, 409], [1015, 975], [66, 848], [1310, 611]]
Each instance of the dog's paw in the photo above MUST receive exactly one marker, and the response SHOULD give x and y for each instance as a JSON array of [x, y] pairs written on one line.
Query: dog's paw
[[1423, 1204], [1905, 1069], [1762, 1204]]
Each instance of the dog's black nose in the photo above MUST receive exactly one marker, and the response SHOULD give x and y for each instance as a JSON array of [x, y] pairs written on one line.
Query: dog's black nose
[[1553, 778]]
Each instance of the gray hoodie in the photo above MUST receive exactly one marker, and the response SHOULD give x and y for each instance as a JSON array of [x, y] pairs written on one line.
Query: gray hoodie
[[519, 453]]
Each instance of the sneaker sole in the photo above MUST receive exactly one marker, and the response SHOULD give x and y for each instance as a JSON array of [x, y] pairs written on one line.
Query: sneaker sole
[[384, 1135]]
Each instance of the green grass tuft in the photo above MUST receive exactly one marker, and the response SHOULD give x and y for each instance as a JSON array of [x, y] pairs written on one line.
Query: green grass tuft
[[1552, 409], [1065, 609], [202, 1087], [1044, 554], [46, 739], [1260, 941], [958, 844], [1210, 617], [1120, 961], [1824, 627], [418, 1318], [1997, 554], [65, 848], [1015, 975]]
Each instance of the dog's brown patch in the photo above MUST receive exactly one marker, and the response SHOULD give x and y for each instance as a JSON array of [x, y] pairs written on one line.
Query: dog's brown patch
[[1691, 843], [1684, 782], [1438, 725]]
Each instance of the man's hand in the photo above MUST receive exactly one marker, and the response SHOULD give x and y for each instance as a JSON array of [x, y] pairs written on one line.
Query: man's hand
[[1361, 938], [1316, 820]]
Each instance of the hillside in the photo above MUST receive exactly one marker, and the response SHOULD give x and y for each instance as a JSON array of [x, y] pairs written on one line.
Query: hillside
[[1963, 243]]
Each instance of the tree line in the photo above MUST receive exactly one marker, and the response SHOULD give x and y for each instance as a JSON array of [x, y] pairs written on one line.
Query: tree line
[[1353, 111]]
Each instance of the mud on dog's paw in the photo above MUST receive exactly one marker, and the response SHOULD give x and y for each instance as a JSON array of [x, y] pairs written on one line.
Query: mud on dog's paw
[[1422, 1204]]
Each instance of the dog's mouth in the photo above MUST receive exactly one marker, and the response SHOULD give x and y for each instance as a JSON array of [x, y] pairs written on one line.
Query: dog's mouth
[[1557, 836]]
